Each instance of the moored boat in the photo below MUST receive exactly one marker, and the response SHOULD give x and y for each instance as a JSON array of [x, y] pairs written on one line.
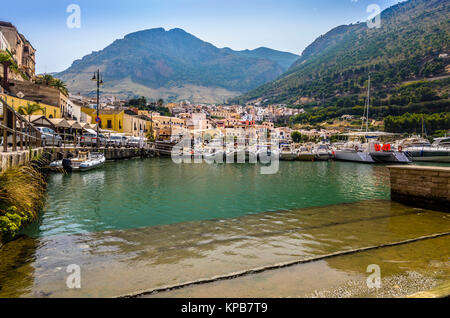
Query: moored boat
[[305, 154], [322, 152], [421, 150], [287, 154], [385, 154], [85, 161]]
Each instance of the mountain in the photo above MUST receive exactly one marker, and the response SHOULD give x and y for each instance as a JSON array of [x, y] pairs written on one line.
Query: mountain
[[284, 59], [175, 65], [406, 58]]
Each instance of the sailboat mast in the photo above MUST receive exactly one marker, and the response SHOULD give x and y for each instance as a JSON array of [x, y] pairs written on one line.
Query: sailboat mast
[[422, 127], [368, 105]]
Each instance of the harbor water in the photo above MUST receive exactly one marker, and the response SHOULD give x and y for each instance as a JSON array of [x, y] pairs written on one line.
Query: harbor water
[[141, 225]]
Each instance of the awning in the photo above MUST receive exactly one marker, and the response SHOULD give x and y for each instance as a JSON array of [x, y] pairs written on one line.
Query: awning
[[89, 126], [74, 124], [60, 123], [40, 121]]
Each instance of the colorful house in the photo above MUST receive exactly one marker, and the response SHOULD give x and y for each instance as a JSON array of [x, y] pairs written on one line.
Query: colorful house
[[48, 110]]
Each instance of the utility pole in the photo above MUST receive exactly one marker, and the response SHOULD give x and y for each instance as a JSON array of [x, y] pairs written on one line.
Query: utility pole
[[99, 82]]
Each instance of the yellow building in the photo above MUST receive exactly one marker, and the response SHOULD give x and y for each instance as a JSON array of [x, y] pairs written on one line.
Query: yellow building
[[121, 121], [48, 110]]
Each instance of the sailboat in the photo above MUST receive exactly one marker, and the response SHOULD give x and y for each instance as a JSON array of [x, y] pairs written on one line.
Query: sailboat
[[354, 150], [372, 151]]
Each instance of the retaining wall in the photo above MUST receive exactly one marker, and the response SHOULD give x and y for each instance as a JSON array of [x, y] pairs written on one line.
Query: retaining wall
[[422, 186], [17, 158]]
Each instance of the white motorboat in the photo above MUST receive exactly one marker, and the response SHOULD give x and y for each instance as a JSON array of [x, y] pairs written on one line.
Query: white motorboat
[[305, 154], [85, 161], [322, 152], [55, 165], [287, 154], [353, 152], [421, 150]]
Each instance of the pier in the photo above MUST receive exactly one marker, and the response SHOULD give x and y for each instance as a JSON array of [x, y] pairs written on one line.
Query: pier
[[59, 153], [421, 186]]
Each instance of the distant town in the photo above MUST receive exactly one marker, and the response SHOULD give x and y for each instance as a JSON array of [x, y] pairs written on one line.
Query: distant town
[[137, 117]]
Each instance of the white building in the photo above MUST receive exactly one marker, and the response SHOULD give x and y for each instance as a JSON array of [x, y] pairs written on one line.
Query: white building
[[74, 112], [4, 43]]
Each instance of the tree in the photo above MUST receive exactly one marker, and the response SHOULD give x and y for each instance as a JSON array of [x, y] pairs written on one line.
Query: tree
[[140, 103], [45, 80], [61, 86], [296, 136], [30, 109], [160, 102], [50, 81]]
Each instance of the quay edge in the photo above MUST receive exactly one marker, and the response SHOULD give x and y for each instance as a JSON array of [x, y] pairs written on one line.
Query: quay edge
[[421, 186]]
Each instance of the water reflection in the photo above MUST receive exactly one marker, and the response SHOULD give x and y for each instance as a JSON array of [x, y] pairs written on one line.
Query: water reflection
[[140, 193]]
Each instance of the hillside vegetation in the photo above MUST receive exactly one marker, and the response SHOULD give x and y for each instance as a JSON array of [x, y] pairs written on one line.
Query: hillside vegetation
[[405, 59]]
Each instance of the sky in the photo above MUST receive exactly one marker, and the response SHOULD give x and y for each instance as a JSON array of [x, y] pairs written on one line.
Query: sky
[[286, 25]]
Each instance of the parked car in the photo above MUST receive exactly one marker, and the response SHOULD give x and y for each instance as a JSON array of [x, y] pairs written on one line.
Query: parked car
[[10, 138], [90, 139], [136, 142], [117, 141], [49, 137]]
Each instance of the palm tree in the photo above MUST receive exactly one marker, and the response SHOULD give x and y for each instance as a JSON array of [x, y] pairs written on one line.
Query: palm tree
[[30, 109], [60, 85], [49, 80], [45, 80]]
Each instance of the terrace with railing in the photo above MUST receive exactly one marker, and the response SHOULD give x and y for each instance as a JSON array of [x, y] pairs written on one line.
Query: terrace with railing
[[16, 132]]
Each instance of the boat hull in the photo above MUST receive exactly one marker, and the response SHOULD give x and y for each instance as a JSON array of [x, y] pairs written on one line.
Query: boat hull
[[306, 157], [390, 157], [430, 156], [353, 156], [70, 166], [323, 156], [288, 156]]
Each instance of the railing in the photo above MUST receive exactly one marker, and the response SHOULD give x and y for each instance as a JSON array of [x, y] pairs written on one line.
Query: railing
[[16, 130]]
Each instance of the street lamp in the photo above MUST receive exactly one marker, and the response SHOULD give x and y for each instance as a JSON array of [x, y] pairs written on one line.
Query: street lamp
[[99, 80]]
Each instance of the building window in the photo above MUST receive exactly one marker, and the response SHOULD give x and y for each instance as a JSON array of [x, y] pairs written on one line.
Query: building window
[[109, 124]]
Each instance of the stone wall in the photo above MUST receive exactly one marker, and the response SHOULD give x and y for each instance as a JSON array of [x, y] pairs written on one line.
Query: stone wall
[[422, 186], [59, 153], [17, 158]]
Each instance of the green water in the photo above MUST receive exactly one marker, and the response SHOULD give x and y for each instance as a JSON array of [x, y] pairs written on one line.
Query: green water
[[141, 193], [138, 225]]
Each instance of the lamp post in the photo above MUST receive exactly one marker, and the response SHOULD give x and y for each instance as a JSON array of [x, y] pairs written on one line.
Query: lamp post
[[99, 81]]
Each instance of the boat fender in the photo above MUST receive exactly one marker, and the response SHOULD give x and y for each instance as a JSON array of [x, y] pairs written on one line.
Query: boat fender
[[400, 148], [356, 148]]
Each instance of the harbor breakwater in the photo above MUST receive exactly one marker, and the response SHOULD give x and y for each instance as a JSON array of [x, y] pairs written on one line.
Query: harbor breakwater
[[421, 186]]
